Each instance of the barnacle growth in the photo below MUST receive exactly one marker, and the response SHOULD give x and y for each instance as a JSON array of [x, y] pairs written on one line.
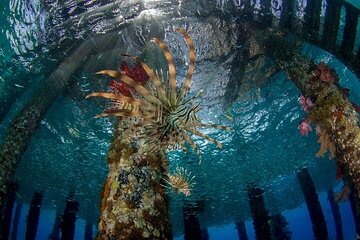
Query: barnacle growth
[[167, 116]]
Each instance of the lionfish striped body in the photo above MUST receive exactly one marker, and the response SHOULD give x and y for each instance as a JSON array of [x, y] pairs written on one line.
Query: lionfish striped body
[[167, 115], [181, 181]]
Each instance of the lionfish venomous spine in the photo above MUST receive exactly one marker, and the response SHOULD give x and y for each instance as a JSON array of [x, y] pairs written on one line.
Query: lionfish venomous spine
[[168, 116]]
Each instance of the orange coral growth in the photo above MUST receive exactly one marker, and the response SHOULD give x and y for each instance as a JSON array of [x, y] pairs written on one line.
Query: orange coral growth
[[325, 143]]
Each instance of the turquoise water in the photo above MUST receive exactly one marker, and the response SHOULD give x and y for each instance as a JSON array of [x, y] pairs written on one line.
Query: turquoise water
[[67, 152]]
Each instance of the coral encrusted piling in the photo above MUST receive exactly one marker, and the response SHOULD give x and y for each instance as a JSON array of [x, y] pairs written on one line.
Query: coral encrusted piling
[[134, 204]]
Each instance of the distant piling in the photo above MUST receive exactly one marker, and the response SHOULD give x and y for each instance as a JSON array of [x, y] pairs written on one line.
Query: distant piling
[[33, 217], [313, 204], [336, 214], [241, 230], [68, 220], [259, 213]]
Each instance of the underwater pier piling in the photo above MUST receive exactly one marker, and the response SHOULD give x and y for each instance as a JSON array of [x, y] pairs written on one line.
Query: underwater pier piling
[[33, 216], [192, 229], [134, 204], [331, 24], [15, 223], [313, 204], [67, 224], [88, 234], [241, 230], [27, 121], [5, 222], [259, 213], [279, 227], [336, 214]]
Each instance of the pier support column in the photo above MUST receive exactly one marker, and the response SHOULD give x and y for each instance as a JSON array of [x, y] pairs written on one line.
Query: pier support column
[[134, 204], [6, 218], [241, 229], [68, 220], [336, 214], [192, 229], [279, 227], [33, 216], [313, 204], [16, 220], [259, 213]]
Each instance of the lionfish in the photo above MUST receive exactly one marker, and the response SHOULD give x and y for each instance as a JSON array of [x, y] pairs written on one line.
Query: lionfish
[[181, 181], [167, 115]]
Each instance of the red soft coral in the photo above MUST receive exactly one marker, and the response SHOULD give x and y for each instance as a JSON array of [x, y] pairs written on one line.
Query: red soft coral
[[304, 127], [325, 74], [137, 73]]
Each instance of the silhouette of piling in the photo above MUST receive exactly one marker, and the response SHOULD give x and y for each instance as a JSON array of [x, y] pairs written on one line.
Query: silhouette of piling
[[313, 204], [68, 220], [259, 213], [287, 14], [241, 230], [354, 203], [331, 25], [88, 231], [6, 218], [191, 222], [279, 227], [16, 220], [33, 216], [350, 29], [311, 27], [204, 234], [336, 214]]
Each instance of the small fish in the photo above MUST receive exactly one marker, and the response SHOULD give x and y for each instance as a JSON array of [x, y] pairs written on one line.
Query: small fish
[[18, 85]]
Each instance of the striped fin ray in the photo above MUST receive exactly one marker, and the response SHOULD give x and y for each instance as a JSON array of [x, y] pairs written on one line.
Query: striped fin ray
[[188, 80], [156, 81], [194, 131], [172, 72], [119, 97], [140, 89], [111, 73], [125, 113], [192, 144]]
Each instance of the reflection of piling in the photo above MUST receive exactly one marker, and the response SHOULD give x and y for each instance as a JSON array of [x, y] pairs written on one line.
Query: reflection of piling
[[312, 20], [88, 231], [259, 213], [354, 203], [331, 24], [191, 223], [287, 14], [55, 233], [336, 214], [33, 216], [241, 229], [313, 204], [279, 227], [6, 221], [16, 220], [349, 36], [68, 220]]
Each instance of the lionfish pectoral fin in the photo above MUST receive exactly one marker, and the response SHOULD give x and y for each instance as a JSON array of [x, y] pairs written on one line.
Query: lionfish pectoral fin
[[110, 73]]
